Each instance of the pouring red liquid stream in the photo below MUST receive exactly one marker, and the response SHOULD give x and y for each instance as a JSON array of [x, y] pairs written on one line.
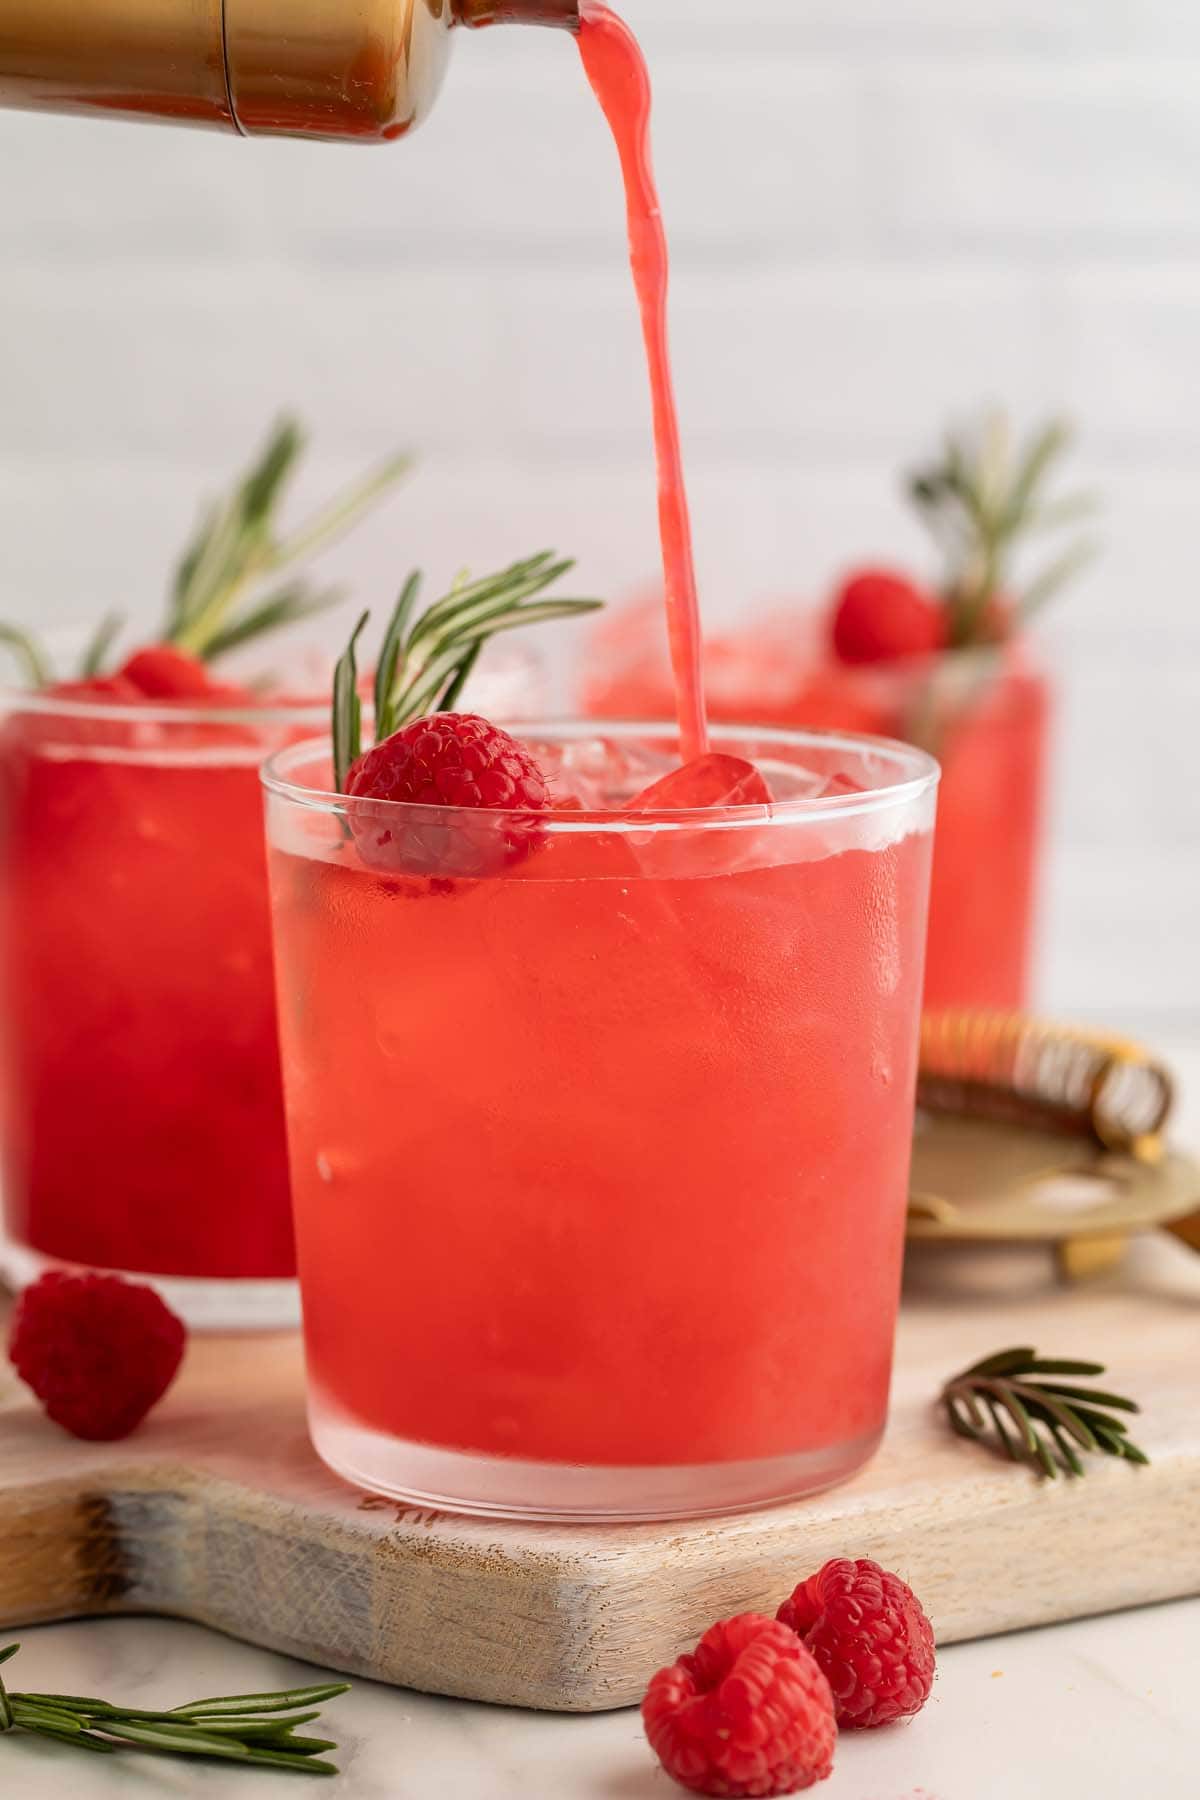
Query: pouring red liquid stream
[[620, 80]]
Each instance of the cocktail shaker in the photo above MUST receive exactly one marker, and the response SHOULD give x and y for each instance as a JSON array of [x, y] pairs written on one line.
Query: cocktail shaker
[[353, 70]]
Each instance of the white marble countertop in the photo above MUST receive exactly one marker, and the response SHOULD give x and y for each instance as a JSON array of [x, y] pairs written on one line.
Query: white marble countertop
[[1096, 1710]]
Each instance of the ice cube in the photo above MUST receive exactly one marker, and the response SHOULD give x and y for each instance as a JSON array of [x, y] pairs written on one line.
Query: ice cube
[[838, 783], [706, 781], [600, 773], [792, 781]]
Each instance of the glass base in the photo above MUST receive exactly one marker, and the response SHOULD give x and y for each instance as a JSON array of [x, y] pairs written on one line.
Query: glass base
[[217, 1304], [503, 1488]]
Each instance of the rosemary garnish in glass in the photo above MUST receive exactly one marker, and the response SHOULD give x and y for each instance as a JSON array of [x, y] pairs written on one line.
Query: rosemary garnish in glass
[[1016, 1401], [253, 1730], [423, 668], [239, 544], [221, 594], [981, 500], [28, 654]]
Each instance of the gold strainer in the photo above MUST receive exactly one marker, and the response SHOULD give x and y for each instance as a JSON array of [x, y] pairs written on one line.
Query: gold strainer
[[1028, 1131]]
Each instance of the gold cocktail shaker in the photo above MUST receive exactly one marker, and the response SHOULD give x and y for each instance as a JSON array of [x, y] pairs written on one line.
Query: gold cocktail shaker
[[356, 70]]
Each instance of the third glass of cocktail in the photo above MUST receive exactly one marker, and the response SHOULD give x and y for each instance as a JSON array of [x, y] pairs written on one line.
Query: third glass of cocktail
[[990, 733]]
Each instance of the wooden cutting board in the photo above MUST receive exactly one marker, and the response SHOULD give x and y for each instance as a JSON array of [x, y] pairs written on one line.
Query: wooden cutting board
[[218, 1511]]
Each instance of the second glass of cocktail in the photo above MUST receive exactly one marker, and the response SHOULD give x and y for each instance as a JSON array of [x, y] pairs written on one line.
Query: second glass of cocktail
[[600, 1143]]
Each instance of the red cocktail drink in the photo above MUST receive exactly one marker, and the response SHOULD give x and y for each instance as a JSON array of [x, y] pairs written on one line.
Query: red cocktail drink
[[983, 898], [142, 1113], [600, 1159]]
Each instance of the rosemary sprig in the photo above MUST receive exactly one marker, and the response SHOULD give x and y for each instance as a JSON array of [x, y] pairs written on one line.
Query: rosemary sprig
[[981, 499], [1043, 1422], [213, 606], [423, 668], [95, 651], [238, 544], [249, 1729], [28, 653], [347, 708]]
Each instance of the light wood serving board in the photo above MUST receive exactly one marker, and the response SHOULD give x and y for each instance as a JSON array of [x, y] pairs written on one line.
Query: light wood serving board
[[218, 1511]]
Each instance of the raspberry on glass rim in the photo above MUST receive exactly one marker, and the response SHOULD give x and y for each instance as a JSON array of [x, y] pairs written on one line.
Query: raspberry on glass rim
[[164, 672], [425, 756], [880, 616], [451, 759]]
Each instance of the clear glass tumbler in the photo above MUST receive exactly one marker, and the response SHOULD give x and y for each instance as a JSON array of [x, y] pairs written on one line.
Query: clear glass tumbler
[[600, 1149], [141, 1112]]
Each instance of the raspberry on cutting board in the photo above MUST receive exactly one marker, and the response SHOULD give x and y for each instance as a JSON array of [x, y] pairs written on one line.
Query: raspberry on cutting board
[[97, 1351], [747, 1713], [869, 1634]]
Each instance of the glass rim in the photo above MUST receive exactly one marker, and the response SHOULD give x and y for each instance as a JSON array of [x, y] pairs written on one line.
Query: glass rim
[[161, 712], [923, 776]]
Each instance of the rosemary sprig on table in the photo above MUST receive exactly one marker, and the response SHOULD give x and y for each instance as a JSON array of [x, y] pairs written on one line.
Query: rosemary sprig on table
[[423, 668], [1010, 1400], [980, 500], [253, 1730]]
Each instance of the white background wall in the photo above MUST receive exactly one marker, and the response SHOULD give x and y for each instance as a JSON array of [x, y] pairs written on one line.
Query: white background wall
[[882, 212]]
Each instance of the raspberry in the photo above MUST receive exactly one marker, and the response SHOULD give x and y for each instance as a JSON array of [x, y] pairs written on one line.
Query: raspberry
[[869, 1634], [881, 617], [97, 1351], [744, 1713], [450, 760], [163, 672]]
